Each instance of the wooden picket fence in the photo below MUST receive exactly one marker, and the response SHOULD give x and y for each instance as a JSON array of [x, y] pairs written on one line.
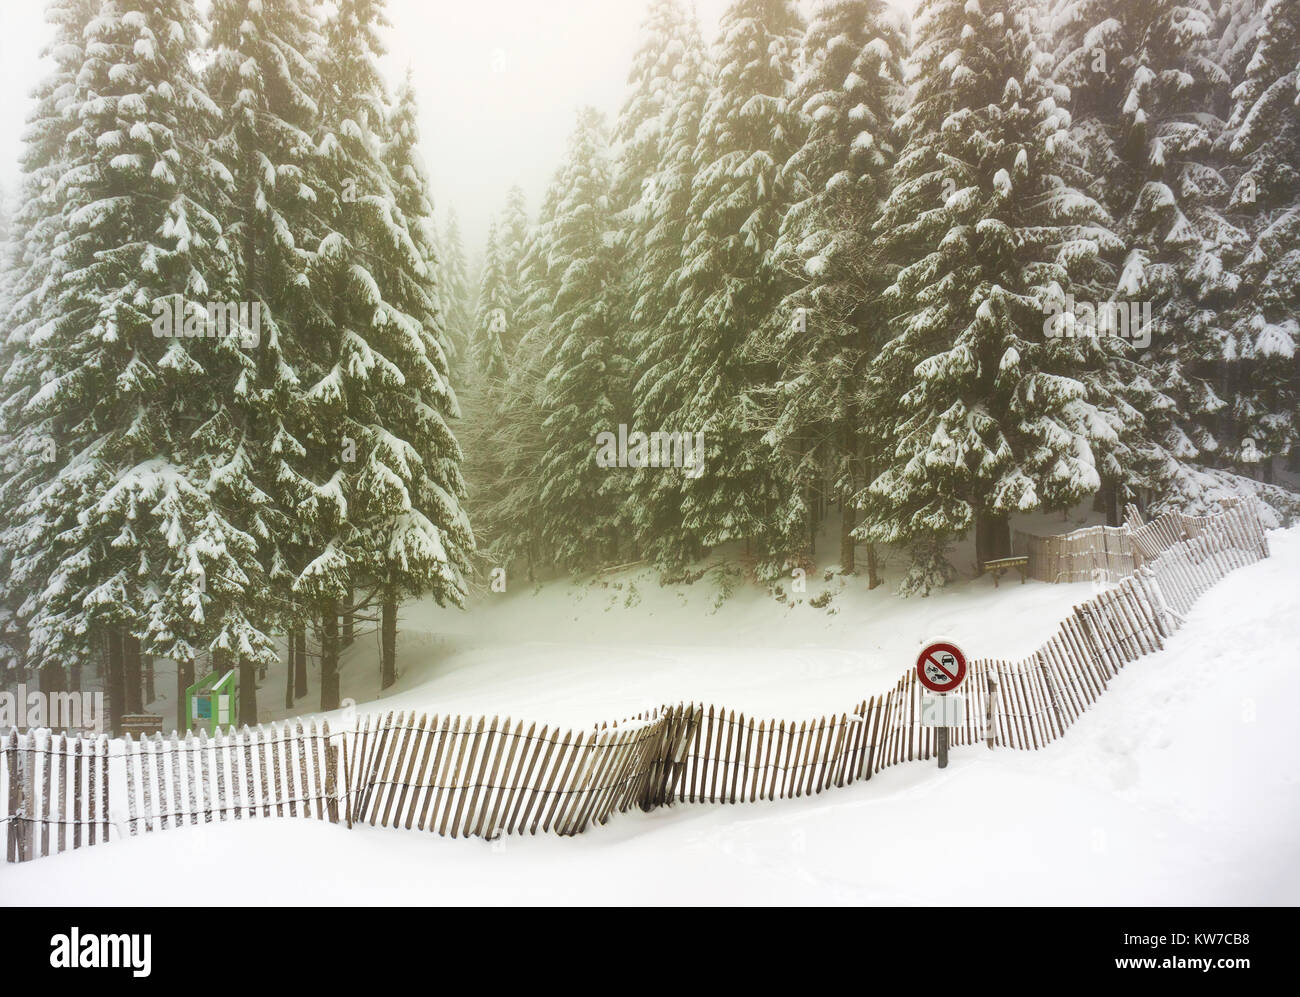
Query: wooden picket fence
[[288, 767], [464, 777], [1112, 553], [1094, 553], [54, 792], [475, 776], [57, 788]]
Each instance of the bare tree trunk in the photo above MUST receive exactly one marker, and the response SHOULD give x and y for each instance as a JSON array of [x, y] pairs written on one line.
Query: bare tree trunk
[[150, 691], [873, 565], [329, 657], [992, 537], [131, 673], [810, 501], [300, 664], [848, 545], [184, 679], [388, 656], [349, 619], [247, 692], [1110, 502], [291, 653], [115, 681], [50, 679]]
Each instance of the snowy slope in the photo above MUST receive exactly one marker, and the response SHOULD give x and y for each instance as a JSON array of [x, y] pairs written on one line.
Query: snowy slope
[[1181, 786], [601, 648]]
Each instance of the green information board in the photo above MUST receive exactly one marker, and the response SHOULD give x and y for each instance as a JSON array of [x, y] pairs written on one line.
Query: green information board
[[210, 703]]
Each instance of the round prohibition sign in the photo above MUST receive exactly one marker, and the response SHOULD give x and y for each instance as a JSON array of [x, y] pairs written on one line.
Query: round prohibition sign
[[941, 667]]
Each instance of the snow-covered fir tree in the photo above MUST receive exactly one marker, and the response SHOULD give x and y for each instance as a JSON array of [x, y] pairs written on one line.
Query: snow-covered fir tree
[[850, 94], [1265, 146], [1237, 24], [728, 290], [134, 361], [492, 314], [457, 297], [512, 245], [28, 447], [263, 75], [424, 540], [380, 482], [582, 388], [992, 419], [512, 448], [654, 214], [1147, 94]]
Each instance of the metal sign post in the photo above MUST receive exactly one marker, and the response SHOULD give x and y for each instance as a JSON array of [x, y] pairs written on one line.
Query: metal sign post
[[941, 668], [942, 736]]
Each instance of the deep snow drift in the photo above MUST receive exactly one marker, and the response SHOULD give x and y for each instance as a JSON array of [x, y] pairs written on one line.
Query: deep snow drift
[[1178, 787]]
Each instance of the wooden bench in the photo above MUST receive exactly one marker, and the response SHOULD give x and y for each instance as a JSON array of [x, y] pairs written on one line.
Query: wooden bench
[[1001, 565]]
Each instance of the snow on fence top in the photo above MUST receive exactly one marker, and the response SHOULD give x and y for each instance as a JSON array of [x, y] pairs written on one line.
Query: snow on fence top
[[474, 776], [1112, 553]]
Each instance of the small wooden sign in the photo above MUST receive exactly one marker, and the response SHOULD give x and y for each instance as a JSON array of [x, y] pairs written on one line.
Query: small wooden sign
[[142, 723]]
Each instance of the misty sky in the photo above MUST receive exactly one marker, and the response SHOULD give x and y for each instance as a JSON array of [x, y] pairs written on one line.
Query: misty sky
[[499, 82]]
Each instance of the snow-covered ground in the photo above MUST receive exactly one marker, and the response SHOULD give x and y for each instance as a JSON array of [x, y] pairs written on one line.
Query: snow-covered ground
[[1181, 786], [601, 648]]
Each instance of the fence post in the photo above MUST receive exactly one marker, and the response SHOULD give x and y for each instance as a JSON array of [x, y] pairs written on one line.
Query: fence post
[[331, 770], [669, 763], [991, 718], [21, 797], [348, 764], [14, 850]]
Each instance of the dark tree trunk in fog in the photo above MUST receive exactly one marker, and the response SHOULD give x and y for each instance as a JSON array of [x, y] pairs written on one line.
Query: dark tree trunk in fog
[[131, 673], [115, 681], [1110, 503], [300, 664], [329, 657], [290, 655], [873, 566], [247, 693], [349, 618], [811, 502], [184, 679], [848, 545], [388, 634], [220, 661], [51, 679], [992, 537]]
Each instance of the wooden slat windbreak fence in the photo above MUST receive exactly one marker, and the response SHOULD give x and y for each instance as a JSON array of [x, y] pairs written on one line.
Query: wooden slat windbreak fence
[[57, 789], [1095, 553], [282, 770], [476, 776], [459, 776], [53, 792], [484, 777]]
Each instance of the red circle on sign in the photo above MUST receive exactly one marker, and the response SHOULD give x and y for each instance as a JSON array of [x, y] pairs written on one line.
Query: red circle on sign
[[935, 667]]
